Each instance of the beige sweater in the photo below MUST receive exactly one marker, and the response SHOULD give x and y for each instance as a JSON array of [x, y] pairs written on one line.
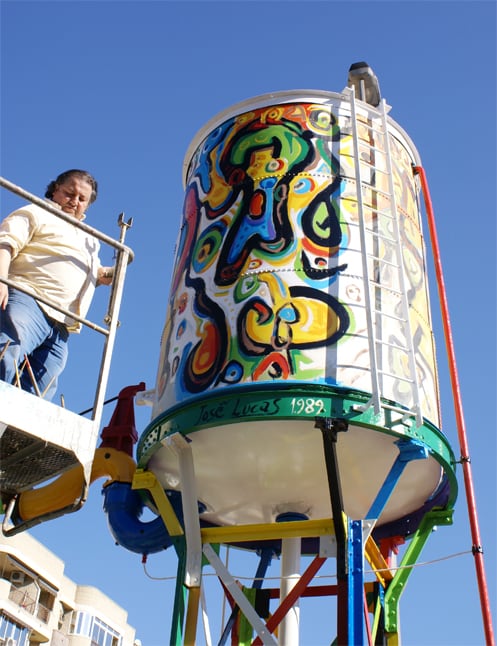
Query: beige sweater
[[52, 258]]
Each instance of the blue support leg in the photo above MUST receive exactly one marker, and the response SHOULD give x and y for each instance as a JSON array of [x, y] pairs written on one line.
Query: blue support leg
[[356, 583], [408, 450]]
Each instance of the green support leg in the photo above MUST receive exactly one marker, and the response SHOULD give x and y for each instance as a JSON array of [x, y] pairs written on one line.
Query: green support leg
[[397, 585], [178, 619]]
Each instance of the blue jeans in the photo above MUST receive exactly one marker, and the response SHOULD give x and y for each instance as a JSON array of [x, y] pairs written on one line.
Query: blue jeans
[[31, 332]]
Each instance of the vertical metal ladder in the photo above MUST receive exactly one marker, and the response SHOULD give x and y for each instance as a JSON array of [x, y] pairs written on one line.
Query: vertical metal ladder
[[379, 147]]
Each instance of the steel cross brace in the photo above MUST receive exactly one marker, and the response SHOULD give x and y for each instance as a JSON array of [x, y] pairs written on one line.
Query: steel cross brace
[[292, 596], [408, 450], [265, 560], [243, 603]]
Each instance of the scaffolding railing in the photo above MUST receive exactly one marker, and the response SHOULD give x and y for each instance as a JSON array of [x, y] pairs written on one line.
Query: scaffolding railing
[[39, 439]]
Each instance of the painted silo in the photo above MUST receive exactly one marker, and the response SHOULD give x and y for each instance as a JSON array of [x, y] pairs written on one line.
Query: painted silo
[[299, 292]]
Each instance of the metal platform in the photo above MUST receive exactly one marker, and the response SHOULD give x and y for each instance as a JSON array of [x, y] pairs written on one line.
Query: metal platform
[[32, 451]]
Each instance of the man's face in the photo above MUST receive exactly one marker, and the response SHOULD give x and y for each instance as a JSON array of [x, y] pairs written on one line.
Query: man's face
[[73, 196]]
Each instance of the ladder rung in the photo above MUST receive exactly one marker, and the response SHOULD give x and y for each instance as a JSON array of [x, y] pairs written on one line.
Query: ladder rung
[[383, 213], [371, 148], [377, 190], [382, 261], [381, 236], [395, 346], [396, 377], [379, 129], [391, 290], [392, 317], [403, 411], [374, 189]]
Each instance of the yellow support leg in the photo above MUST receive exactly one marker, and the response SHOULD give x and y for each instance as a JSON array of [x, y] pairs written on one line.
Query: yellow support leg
[[147, 480], [377, 562], [192, 616], [392, 639]]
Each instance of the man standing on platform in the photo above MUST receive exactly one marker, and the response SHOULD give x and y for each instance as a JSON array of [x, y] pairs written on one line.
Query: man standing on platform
[[51, 258]]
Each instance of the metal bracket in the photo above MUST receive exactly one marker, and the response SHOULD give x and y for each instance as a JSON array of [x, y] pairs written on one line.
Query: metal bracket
[[182, 448], [124, 226], [408, 450]]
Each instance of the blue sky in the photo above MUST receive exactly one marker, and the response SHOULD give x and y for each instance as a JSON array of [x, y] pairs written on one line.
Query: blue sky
[[121, 88]]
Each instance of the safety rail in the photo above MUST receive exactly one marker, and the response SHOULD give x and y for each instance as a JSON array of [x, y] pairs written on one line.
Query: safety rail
[[39, 439], [378, 128]]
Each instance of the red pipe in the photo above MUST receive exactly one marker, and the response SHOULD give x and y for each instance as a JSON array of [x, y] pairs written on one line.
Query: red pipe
[[461, 427], [366, 621], [296, 592]]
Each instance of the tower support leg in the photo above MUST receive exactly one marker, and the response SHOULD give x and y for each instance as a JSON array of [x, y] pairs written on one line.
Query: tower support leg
[[290, 574], [330, 428], [176, 637], [189, 500], [355, 576]]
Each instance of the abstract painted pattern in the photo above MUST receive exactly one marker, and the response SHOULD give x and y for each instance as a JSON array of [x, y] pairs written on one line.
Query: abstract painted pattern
[[269, 277]]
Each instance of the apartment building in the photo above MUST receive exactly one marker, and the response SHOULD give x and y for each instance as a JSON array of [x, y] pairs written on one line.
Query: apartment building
[[40, 605]]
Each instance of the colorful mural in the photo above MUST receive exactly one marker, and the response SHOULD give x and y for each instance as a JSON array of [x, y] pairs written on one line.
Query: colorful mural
[[269, 277]]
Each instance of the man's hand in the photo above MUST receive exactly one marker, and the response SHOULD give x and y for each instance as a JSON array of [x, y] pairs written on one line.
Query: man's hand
[[105, 275], [5, 258], [4, 295]]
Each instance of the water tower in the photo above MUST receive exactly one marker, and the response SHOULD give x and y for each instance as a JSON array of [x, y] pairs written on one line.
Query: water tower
[[296, 404]]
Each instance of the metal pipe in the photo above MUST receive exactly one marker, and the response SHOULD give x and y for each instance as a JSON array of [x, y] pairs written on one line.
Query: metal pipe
[[290, 575], [461, 426], [297, 591], [62, 310]]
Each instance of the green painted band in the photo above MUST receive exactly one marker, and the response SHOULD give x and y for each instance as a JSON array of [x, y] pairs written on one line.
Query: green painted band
[[296, 401]]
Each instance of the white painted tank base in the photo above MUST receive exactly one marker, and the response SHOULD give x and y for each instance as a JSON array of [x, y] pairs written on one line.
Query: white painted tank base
[[252, 469]]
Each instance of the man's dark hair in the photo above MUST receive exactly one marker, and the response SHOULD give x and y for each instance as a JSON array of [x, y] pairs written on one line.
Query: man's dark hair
[[63, 177]]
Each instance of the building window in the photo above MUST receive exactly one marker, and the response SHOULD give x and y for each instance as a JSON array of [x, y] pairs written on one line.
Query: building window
[[12, 633], [32, 595], [101, 634]]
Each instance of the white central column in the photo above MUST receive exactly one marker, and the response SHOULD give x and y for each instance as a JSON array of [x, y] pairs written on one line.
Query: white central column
[[290, 574]]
